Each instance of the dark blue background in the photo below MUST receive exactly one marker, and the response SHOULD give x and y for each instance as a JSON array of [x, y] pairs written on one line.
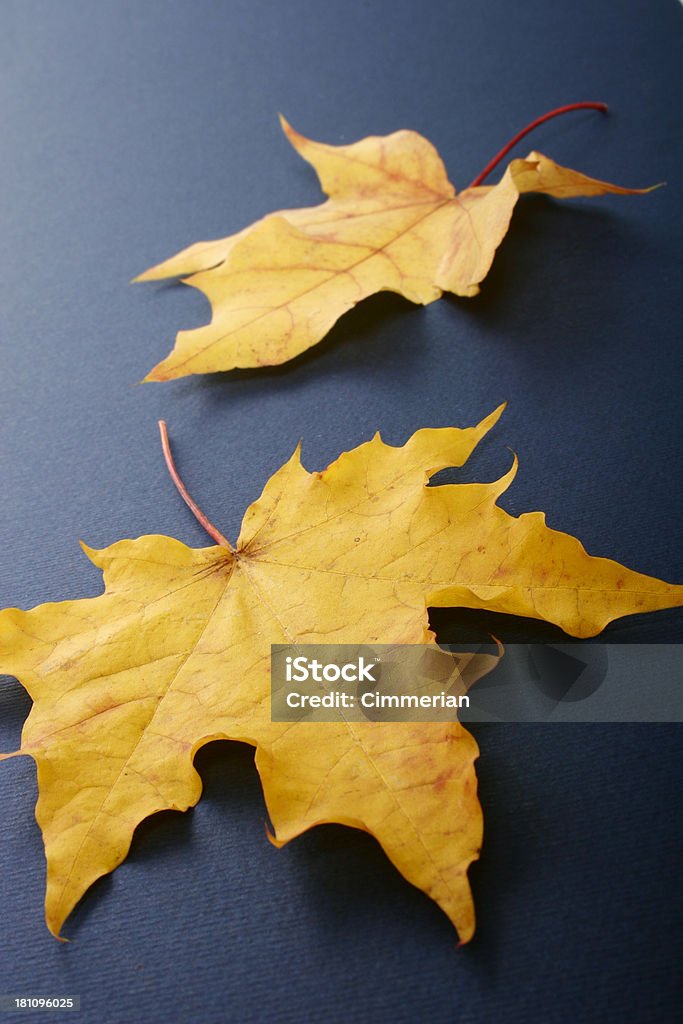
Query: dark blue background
[[132, 129]]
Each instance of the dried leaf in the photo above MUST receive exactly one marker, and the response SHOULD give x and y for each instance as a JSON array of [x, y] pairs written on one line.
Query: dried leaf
[[393, 222], [129, 685]]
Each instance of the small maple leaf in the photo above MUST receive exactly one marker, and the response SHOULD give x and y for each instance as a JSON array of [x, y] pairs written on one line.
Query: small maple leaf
[[175, 653], [393, 222]]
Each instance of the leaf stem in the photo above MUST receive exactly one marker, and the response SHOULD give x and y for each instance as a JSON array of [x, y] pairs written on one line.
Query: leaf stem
[[529, 128], [184, 494]]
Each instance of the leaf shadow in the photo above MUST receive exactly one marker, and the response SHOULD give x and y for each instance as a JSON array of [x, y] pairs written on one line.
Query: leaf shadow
[[348, 342], [473, 626], [377, 335], [542, 282], [345, 867], [15, 705], [503, 867], [476, 626]]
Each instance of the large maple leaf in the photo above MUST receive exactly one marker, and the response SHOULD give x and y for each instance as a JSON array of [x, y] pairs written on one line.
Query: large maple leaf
[[129, 685], [393, 222]]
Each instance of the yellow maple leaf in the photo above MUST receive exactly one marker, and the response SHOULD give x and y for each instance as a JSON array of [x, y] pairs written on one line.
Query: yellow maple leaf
[[129, 685], [393, 222]]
